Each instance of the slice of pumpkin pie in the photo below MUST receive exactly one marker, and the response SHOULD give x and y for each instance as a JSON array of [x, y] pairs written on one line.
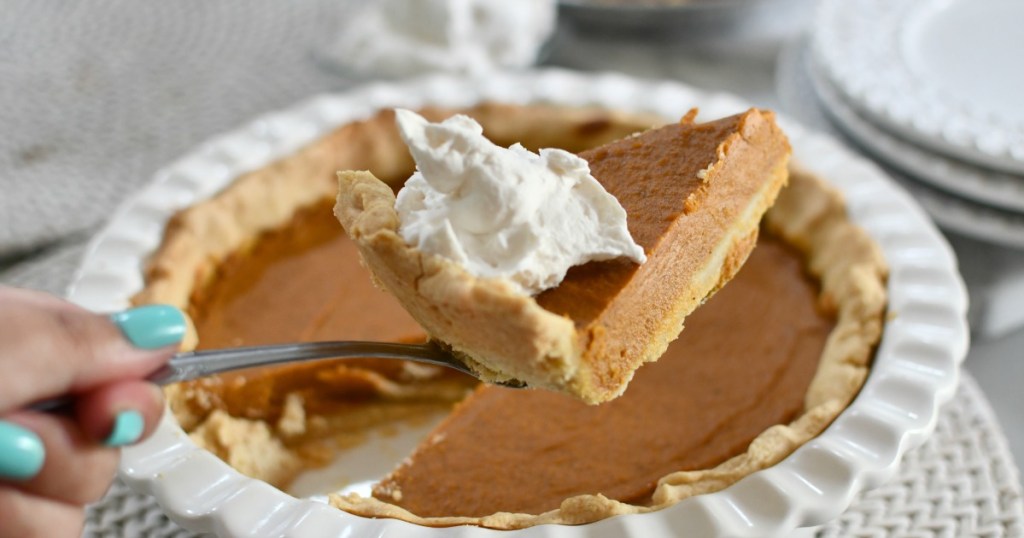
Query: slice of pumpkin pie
[[580, 301]]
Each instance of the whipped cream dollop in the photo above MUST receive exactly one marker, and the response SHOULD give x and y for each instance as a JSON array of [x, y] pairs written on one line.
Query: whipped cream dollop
[[501, 212], [395, 38]]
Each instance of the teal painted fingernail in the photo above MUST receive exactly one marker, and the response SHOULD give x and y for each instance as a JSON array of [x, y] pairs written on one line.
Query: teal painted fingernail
[[128, 426], [152, 326], [21, 452]]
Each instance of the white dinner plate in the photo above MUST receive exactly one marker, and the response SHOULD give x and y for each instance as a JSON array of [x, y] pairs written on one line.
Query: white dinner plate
[[983, 185], [915, 369], [947, 74], [980, 221]]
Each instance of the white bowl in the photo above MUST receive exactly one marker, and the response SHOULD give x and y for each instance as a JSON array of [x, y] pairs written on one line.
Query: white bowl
[[915, 370]]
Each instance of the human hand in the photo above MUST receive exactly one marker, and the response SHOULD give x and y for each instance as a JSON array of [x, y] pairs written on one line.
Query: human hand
[[52, 465]]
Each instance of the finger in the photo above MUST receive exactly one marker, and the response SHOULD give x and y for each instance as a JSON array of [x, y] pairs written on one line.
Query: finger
[[23, 515], [51, 347], [120, 414], [75, 469]]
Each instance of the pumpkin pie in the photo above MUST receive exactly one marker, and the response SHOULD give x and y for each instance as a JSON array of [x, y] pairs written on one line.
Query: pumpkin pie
[[761, 368], [694, 195]]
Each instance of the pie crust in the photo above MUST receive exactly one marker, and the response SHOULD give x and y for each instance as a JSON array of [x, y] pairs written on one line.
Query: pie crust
[[807, 214]]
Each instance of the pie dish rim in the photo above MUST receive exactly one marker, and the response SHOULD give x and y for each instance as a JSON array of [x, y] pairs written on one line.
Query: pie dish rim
[[897, 407]]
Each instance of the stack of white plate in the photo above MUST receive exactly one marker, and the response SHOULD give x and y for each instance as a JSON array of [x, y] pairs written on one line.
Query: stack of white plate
[[934, 89]]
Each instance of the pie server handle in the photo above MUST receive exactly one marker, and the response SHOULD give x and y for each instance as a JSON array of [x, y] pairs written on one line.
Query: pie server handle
[[195, 364]]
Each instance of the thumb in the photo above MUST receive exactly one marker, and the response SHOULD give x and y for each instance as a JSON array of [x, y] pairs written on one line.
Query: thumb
[[50, 347]]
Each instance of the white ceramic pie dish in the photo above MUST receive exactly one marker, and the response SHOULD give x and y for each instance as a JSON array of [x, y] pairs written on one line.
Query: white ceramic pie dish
[[916, 366]]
